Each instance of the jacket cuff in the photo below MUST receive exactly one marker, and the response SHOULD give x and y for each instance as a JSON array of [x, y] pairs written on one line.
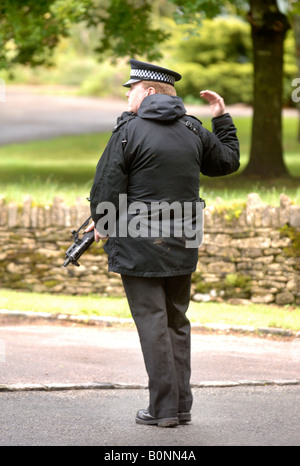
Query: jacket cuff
[[220, 120]]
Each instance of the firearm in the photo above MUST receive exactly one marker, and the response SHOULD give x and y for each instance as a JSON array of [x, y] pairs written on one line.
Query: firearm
[[79, 246]]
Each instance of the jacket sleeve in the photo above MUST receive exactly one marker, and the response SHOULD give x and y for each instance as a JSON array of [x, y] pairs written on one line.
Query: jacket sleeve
[[111, 175], [221, 152]]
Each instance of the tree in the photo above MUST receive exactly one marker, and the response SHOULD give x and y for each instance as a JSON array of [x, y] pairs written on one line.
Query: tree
[[269, 27]]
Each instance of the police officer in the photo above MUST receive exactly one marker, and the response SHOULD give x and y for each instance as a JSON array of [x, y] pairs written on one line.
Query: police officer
[[154, 156]]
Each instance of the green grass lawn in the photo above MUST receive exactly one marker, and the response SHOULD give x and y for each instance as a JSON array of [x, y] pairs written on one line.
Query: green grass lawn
[[257, 315], [62, 166], [65, 166]]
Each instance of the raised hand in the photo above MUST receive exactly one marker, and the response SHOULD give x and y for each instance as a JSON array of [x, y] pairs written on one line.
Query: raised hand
[[215, 101]]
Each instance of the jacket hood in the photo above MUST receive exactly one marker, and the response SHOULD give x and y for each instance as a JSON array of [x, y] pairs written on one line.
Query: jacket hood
[[161, 107]]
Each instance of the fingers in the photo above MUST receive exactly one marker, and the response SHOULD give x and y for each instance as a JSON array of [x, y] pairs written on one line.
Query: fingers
[[97, 235], [90, 227], [211, 96]]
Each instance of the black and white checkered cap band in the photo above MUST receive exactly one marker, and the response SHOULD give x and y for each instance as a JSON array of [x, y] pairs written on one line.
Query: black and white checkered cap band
[[149, 75]]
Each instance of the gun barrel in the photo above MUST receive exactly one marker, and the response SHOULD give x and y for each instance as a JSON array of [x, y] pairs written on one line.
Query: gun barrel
[[67, 262]]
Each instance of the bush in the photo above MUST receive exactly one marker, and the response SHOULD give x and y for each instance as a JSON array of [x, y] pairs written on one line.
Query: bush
[[106, 81], [223, 39], [231, 80]]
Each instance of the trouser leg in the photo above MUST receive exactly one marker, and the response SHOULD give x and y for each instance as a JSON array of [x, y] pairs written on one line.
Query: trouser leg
[[177, 291], [158, 311]]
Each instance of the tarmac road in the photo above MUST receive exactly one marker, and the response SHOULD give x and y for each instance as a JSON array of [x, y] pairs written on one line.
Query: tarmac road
[[83, 354], [28, 115], [251, 413], [238, 416]]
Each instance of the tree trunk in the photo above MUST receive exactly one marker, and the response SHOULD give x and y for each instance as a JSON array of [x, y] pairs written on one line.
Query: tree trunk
[[268, 28]]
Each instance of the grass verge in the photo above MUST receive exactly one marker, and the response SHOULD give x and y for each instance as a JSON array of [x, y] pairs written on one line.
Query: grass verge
[[257, 315]]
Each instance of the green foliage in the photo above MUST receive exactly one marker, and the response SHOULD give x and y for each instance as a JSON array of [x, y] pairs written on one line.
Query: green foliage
[[224, 39], [30, 30], [230, 212], [104, 81], [219, 57], [127, 30], [232, 285], [231, 80], [193, 11], [221, 62]]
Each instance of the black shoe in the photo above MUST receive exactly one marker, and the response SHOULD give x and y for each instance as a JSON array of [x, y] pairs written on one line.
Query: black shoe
[[144, 417], [184, 417]]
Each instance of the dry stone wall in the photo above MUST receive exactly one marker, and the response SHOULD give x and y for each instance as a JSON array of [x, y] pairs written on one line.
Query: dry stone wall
[[250, 252]]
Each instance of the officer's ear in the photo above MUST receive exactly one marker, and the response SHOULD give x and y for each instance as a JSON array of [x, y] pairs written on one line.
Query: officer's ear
[[151, 90]]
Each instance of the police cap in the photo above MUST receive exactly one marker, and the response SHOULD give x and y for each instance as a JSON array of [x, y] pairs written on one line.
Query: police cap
[[141, 71]]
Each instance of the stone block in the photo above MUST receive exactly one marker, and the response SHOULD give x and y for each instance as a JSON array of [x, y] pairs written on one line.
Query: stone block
[[285, 297], [263, 298], [294, 219], [221, 268]]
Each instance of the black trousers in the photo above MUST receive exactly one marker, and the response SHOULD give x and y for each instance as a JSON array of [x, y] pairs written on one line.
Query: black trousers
[[158, 306]]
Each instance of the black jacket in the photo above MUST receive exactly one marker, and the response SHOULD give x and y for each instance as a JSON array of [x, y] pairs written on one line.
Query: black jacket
[[155, 157]]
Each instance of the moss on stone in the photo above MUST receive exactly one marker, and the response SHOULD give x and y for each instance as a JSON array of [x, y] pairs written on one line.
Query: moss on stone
[[294, 249]]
